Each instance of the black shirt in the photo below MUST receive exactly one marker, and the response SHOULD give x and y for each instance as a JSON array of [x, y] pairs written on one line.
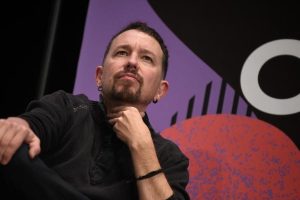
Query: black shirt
[[79, 144]]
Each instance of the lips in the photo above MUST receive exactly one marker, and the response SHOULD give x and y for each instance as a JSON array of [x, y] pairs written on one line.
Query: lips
[[131, 75]]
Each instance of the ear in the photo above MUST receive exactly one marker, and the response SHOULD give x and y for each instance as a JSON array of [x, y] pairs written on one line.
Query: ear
[[99, 72], [162, 90]]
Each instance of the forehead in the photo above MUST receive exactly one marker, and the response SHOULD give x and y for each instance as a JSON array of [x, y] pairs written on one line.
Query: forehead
[[137, 39]]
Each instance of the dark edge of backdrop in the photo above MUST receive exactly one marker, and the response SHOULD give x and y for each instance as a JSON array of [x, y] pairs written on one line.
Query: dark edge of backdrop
[[33, 53]]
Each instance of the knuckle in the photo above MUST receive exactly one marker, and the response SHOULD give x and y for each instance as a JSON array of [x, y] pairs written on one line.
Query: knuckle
[[24, 129], [10, 146]]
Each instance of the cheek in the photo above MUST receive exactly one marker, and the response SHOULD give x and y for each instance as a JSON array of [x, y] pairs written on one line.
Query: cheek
[[108, 72], [107, 79], [154, 78], [151, 84]]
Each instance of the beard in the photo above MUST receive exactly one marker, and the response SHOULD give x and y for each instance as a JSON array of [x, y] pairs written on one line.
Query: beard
[[124, 91]]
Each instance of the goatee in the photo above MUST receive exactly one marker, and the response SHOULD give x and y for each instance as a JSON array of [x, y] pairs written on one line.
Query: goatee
[[127, 93]]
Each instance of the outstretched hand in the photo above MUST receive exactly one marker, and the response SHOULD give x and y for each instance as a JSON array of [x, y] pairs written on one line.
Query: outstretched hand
[[14, 132]]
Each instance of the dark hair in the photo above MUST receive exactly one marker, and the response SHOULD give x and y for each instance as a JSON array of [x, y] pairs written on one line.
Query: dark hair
[[143, 27]]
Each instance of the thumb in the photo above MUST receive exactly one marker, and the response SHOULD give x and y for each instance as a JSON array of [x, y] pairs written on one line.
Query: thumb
[[34, 145]]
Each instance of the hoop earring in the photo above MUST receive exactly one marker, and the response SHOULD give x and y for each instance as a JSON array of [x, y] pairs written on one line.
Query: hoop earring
[[155, 101], [100, 88]]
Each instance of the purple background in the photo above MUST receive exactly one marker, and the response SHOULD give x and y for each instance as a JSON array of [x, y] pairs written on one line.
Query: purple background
[[188, 75]]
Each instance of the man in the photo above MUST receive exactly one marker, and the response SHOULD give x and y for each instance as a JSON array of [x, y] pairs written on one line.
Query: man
[[99, 150]]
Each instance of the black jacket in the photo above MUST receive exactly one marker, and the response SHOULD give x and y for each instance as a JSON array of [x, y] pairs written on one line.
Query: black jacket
[[79, 144]]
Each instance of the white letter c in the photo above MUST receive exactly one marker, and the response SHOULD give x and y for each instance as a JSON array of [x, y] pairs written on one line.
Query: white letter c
[[249, 77]]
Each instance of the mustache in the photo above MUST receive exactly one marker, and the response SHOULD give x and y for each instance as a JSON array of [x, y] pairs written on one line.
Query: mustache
[[132, 74]]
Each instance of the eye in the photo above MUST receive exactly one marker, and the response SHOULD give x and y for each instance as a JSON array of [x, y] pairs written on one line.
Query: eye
[[121, 53], [147, 59]]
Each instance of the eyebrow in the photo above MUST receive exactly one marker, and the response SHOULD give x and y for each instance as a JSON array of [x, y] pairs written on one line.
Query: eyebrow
[[146, 51], [127, 46], [124, 46]]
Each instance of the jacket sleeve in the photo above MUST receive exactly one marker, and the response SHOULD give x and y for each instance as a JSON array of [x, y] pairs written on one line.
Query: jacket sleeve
[[49, 117], [175, 165]]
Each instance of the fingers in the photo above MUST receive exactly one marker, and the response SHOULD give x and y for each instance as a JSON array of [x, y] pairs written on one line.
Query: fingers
[[142, 114], [113, 121], [114, 115], [34, 147], [12, 136], [4, 139], [11, 148], [34, 144], [10, 140]]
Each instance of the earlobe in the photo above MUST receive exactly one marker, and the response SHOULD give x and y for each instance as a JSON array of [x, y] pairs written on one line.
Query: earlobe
[[99, 72], [163, 89]]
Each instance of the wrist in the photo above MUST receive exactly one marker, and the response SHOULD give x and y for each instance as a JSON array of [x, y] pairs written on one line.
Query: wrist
[[141, 145], [150, 174]]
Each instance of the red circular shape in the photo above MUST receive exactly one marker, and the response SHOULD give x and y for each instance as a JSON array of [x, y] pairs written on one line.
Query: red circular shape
[[237, 157]]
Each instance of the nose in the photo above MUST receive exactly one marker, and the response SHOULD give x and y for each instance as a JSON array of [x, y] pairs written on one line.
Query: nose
[[132, 64]]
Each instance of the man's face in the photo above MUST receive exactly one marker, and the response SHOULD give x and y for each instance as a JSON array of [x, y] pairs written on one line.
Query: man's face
[[132, 70]]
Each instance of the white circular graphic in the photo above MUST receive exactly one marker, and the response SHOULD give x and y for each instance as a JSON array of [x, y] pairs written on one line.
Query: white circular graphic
[[249, 77]]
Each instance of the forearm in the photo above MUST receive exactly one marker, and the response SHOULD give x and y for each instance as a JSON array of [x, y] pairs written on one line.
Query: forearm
[[132, 130], [145, 160]]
